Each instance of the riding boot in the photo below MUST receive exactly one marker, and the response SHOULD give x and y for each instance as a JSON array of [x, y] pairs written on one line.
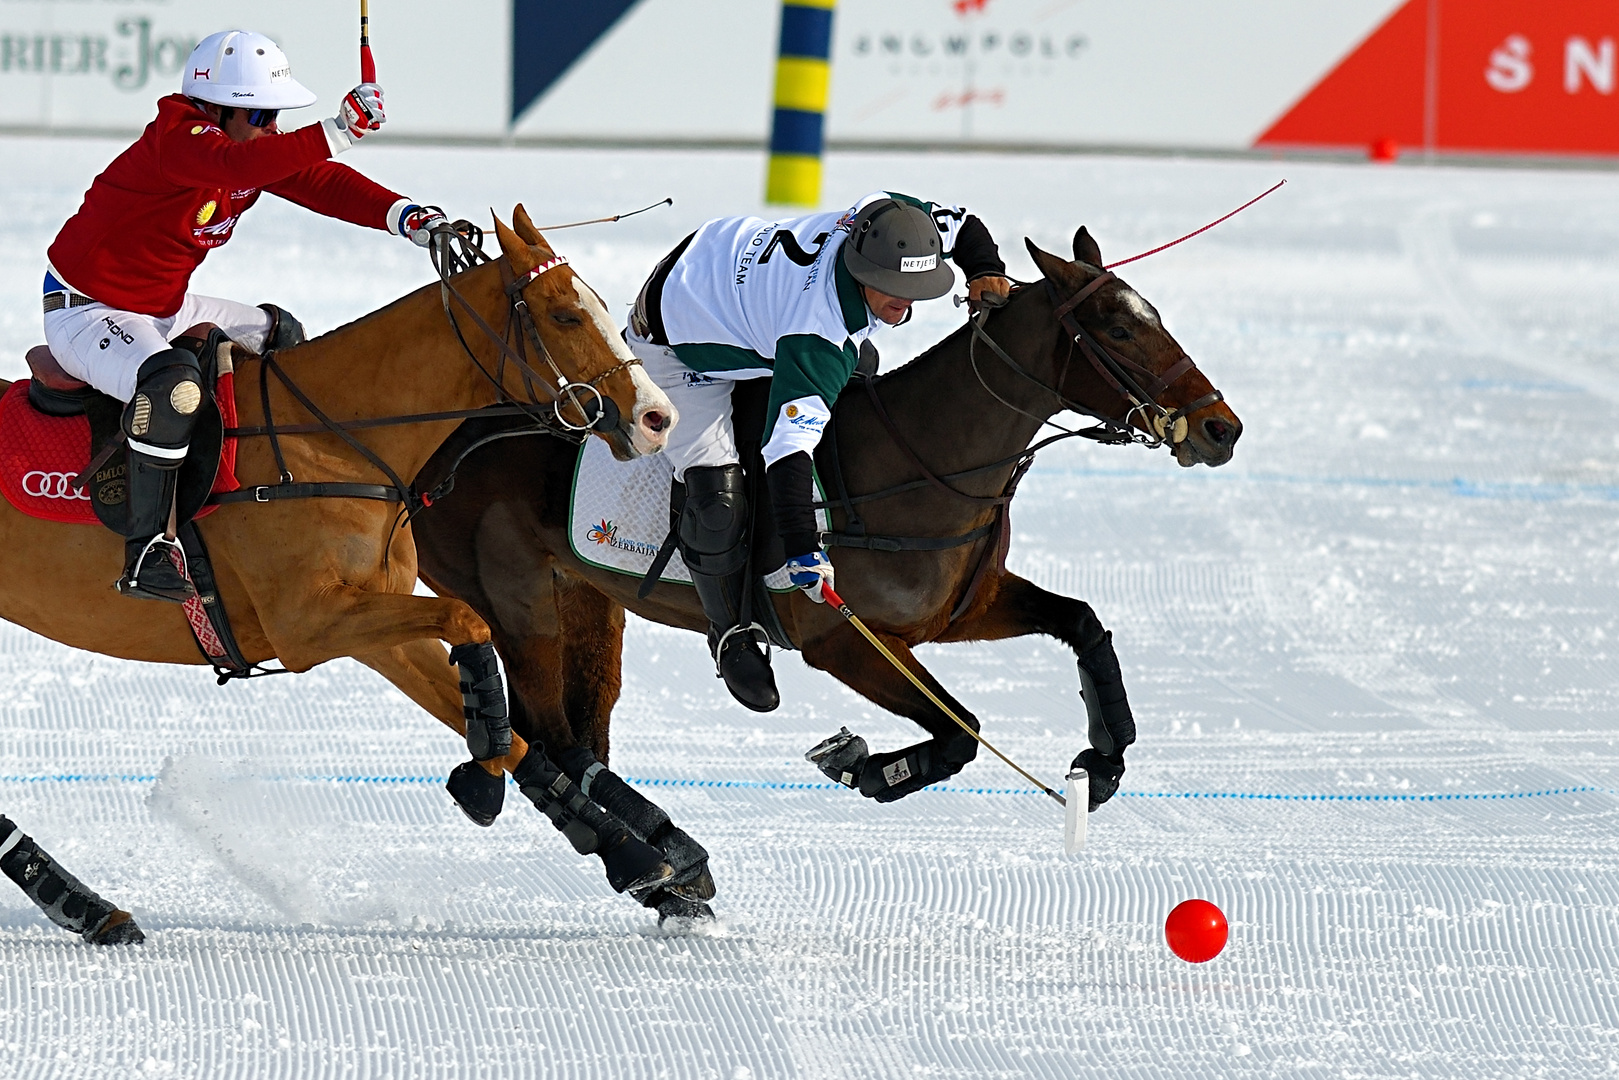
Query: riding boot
[[157, 426], [646, 819], [64, 899], [285, 330], [632, 866], [713, 543]]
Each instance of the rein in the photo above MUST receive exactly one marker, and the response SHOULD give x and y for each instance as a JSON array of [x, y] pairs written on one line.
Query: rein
[[1121, 373], [599, 414]]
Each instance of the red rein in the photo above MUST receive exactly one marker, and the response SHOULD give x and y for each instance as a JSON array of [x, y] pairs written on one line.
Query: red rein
[[1204, 229]]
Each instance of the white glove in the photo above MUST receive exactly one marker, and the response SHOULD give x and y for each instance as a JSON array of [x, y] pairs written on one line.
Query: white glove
[[359, 115], [416, 223], [810, 572]]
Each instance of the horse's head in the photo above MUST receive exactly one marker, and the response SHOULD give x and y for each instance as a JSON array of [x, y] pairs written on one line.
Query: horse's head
[[1124, 364], [632, 414]]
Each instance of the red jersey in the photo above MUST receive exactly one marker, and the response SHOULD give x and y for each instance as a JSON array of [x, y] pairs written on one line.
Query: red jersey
[[148, 220]]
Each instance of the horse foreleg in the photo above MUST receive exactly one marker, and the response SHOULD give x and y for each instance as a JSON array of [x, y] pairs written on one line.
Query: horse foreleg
[[1020, 607], [65, 900], [850, 658]]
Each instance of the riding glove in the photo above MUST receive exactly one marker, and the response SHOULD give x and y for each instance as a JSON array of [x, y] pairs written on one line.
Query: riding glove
[[416, 223], [811, 572], [359, 115]]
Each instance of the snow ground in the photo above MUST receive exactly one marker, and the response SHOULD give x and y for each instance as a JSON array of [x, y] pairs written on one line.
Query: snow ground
[[1372, 662]]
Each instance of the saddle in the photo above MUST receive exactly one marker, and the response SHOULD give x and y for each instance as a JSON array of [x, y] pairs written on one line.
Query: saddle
[[61, 440], [61, 459]]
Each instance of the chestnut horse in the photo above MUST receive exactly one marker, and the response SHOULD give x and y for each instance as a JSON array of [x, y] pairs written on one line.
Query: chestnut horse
[[307, 580], [500, 542]]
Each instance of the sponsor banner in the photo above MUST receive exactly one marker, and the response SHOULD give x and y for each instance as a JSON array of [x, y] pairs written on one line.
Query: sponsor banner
[[102, 64], [1536, 76], [1490, 75]]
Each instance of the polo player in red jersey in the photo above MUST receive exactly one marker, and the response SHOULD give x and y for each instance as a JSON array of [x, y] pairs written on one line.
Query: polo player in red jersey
[[116, 283]]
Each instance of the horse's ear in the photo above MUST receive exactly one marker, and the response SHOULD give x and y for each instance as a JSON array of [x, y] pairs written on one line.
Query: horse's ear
[[1086, 249], [515, 249], [1054, 267], [524, 227]]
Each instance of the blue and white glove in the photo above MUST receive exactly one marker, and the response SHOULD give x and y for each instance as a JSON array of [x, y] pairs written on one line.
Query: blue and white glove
[[810, 572], [416, 223]]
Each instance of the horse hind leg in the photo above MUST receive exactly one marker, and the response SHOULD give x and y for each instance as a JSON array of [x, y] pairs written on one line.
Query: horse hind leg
[[65, 900]]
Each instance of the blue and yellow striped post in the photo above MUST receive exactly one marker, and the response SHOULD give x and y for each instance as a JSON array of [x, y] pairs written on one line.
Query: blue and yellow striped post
[[803, 73]]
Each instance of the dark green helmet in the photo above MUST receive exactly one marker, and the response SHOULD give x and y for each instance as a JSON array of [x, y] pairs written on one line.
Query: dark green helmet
[[895, 248]]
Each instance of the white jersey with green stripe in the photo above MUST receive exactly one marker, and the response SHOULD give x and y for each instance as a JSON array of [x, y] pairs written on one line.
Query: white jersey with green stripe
[[751, 298]]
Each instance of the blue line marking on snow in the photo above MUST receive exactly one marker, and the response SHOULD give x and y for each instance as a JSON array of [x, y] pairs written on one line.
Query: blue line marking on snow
[[807, 785]]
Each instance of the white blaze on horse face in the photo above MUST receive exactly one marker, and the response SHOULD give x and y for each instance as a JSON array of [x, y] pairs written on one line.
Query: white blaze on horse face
[[1139, 307], [654, 413]]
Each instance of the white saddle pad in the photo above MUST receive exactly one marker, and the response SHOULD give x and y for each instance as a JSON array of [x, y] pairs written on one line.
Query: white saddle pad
[[619, 515]]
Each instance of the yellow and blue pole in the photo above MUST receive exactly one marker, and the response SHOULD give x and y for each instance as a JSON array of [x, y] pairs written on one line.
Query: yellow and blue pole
[[803, 75]]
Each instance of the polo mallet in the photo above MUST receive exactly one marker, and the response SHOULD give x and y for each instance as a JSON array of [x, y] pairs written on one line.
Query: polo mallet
[[368, 66], [1074, 805]]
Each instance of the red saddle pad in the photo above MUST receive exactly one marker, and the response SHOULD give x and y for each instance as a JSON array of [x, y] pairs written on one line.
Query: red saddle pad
[[40, 455]]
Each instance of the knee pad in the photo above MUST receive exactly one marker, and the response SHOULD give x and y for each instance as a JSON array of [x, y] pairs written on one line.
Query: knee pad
[[168, 392], [714, 520]]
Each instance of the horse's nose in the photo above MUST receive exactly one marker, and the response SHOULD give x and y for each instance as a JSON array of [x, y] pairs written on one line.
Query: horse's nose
[[1222, 433], [654, 420]]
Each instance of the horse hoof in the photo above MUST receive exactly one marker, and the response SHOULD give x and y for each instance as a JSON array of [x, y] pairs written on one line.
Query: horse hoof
[[635, 867], [690, 861], [479, 795], [116, 929], [676, 912]]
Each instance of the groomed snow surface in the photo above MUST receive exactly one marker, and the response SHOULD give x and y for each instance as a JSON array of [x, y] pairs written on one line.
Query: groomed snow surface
[[1372, 662]]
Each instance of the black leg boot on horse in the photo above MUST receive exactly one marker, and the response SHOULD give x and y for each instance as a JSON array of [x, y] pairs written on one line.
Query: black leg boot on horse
[[64, 899], [1112, 726], [157, 424], [632, 865], [683, 894], [714, 545], [892, 774]]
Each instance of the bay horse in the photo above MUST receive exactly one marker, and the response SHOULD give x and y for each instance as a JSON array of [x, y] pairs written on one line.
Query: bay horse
[[307, 580], [961, 416]]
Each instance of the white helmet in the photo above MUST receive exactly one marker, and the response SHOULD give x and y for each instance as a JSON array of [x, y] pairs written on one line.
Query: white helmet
[[241, 68]]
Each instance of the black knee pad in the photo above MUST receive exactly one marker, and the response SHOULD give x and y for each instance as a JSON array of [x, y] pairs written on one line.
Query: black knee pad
[[714, 520], [168, 393]]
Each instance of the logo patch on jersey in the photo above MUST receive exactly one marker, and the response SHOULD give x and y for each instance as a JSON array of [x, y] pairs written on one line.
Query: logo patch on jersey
[[206, 214], [203, 129], [792, 412], [918, 263]]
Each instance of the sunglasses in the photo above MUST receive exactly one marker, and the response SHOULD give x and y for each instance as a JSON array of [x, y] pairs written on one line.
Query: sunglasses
[[262, 117]]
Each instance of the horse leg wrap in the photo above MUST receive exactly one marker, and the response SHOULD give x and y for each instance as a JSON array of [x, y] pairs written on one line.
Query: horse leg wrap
[[890, 776], [483, 701], [479, 795], [645, 819], [1112, 725], [64, 899], [632, 865]]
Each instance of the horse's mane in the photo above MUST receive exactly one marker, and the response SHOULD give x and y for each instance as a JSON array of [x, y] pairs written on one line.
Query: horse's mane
[[1018, 290]]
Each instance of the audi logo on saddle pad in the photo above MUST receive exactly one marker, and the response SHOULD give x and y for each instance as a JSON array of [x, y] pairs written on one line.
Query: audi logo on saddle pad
[[51, 485]]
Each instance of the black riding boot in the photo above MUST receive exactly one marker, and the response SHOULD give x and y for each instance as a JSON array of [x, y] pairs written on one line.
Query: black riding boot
[[157, 425], [64, 899], [713, 543]]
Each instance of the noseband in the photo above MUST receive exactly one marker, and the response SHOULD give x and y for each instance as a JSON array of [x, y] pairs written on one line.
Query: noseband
[[599, 414], [1138, 386]]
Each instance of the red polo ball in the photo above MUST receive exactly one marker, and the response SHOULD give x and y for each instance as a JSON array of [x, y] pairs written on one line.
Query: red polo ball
[[1196, 931]]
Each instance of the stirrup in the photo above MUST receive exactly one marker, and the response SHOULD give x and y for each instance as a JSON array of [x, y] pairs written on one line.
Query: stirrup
[[130, 582], [752, 628]]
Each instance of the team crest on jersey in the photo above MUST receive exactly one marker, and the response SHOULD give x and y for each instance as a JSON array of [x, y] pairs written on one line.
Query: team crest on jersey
[[206, 214], [203, 129], [792, 412]]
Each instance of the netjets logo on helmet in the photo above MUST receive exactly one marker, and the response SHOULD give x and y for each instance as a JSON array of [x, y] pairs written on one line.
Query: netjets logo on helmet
[[917, 263], [51, 485]]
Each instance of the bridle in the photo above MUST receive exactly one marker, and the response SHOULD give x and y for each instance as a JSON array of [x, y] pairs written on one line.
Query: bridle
[[1137, 385], [458, 247]]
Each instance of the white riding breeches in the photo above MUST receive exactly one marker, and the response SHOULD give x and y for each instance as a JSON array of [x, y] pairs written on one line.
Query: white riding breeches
[[105, 347], [705, 434]]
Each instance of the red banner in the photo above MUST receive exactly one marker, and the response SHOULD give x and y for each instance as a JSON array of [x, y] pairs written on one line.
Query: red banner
[[1481, 75]]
